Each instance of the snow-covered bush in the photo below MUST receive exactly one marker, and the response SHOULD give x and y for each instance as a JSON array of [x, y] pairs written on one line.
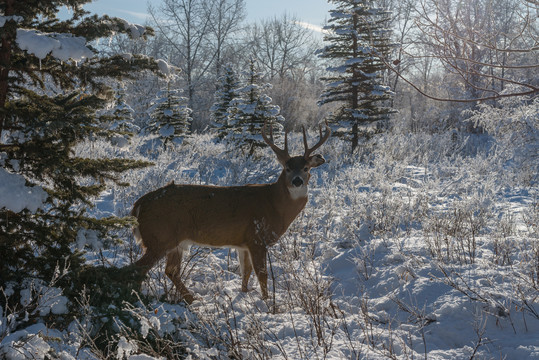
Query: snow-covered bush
[[514, 124]]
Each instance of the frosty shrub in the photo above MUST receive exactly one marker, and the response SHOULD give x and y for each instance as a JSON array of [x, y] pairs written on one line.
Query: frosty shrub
[[514, 124]]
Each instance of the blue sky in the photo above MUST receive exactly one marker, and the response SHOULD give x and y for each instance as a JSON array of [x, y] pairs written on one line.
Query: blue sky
[[309, 11]]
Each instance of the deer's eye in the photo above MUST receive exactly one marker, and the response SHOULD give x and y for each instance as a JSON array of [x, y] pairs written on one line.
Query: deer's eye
[[305, 169], [288, 169]]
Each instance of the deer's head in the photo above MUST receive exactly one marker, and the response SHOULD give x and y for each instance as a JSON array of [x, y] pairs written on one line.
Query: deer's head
[[296, 169]]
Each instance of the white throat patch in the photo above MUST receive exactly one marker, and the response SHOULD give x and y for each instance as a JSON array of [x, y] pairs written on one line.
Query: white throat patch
[[297, 192]]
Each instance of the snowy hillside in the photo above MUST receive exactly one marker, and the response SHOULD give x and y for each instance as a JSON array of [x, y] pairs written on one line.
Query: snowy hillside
[[407, 249]]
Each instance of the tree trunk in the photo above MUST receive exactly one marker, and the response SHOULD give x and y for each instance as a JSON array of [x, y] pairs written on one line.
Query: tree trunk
[[5, 65], [355, 136]]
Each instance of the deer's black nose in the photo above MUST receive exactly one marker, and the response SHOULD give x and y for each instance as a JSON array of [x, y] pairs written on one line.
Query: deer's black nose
[[297, 181]]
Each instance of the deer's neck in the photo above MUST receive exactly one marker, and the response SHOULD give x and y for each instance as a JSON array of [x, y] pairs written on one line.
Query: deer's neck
[[288, 202]]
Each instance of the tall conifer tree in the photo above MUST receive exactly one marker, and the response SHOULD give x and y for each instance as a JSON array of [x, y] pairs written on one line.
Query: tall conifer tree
[[226, 92], [170, 116], [51, 85], [249, 111], [119, 119], [121, 115], [357, 31]]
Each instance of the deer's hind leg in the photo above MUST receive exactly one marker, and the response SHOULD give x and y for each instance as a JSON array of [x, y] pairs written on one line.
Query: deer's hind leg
[[149, 259], [173, 271]]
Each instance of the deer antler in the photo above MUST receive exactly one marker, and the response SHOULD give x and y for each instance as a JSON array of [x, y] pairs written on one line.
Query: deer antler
[[282, 154], [323, 139]]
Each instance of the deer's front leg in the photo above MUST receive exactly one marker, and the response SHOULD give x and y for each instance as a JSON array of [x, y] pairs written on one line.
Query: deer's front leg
[[258, 258], [246, 268]]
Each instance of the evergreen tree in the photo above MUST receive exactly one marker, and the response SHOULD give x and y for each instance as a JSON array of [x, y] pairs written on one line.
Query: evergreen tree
[[51, 85], [250, 110], [226, 92], [357, 32], [169, 114], [119, 119], [121, 115]]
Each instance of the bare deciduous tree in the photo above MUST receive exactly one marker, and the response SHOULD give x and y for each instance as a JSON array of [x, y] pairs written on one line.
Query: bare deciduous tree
[[197, 32], [227, 16], [485, 44], [285, 50], [283, 46]]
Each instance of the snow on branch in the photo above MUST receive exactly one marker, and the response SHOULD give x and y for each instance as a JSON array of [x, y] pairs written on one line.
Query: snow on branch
[[135, 30], [62, 46], [16, 196], [166, 68], [4, 19]]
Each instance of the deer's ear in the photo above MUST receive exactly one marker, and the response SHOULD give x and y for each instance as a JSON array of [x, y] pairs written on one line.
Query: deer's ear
[[316, 160]]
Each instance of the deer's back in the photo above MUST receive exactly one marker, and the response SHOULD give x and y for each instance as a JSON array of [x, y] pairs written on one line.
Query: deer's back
[[208, 215]]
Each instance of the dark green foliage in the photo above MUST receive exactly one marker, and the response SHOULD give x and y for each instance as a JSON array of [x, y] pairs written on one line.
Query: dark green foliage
[[358, 33], [107, 286], [47, 106]]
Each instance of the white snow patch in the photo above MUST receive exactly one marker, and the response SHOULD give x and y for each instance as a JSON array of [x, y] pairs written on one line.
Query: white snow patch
[[88, 237], [136, 30], [125, 348], [166, 131], [164, 67], [16, 196], [4, 19], [52, 301], [144, 357], [25, 344], [62, 46]]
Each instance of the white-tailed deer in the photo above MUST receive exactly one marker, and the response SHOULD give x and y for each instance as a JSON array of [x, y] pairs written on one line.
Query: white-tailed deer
[[247, 218]]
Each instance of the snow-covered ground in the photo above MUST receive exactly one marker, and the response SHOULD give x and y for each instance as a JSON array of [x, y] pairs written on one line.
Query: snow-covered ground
[[410, 249]]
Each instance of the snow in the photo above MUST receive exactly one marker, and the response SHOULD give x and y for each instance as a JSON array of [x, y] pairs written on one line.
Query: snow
[[345, 31], [4, 19], [378, 265], [125, 348], [17, 196], [46, 299], [62, 46], [357, 114], [52, 301], [135, 30], [89, 238], [339, 69], [335, 84], [147, 324], [365, 49], [354, 61], [25, 344], [145, 357], [377, 293], [368, 75], [164, 67], [339, 14], [166, 130]]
